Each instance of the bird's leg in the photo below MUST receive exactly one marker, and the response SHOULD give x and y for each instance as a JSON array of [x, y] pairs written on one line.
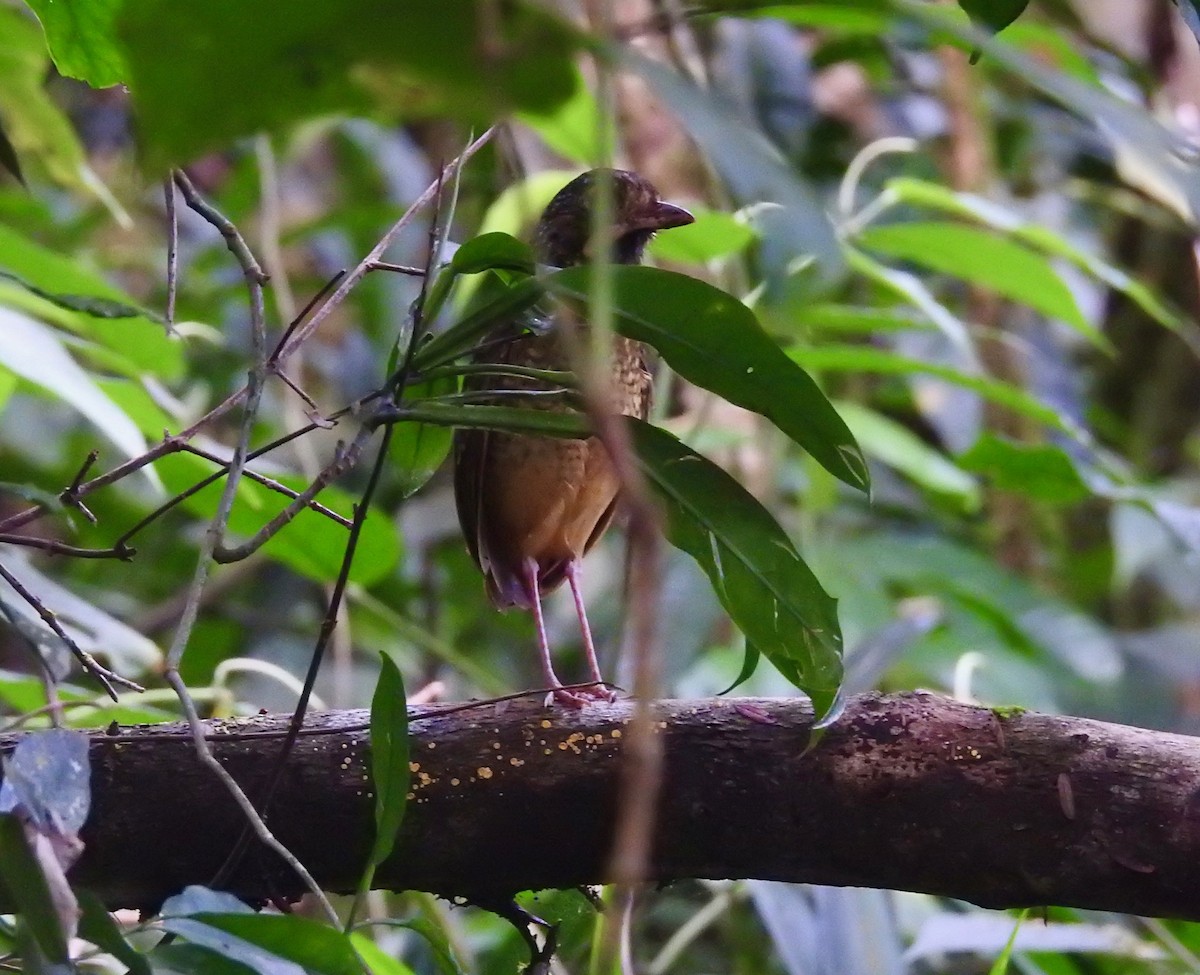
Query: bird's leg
[[589, 648], [561, 694]]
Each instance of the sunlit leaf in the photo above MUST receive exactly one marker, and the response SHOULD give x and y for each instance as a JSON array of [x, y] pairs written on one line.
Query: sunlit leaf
[[714, 234], [754, 568], [1039, 471], [82, 40]]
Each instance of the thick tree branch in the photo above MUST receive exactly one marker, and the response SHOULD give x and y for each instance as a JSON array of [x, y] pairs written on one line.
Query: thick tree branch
[[911, 791]]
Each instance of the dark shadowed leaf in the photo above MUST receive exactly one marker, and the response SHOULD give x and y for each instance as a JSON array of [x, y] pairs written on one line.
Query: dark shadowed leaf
[[48, 779], [417, 450], [185, 958], [389, 757], [754, 568], [713, 340], [415, 59], [8, 158], [995, 15]]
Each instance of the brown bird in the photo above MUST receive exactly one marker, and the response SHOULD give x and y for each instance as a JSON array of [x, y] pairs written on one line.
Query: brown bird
[[531, 507]]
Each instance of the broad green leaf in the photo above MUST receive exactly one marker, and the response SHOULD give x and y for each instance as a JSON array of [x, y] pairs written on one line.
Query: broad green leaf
[[713, 340], [856, 17], [493, 250], [1039, 471], [852, 319], [417, 450], [423, 58], [713, 234], [88, 304], [97, 926], [32, 351], [390, 772], [864, 358], [985, 259], [314, 946], [26, 887], [311, 544], [185, 958], [754, 568], [139, 338], [519, 205], [900, 448], [82, 40]]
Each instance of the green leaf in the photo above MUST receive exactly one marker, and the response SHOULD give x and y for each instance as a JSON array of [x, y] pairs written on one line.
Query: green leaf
[[82, 39], [851, 319], [316, 947], [421, 59], [863, 358], [504, 307], [97, 926], [713, 340], [984, 259], [750, 660], [485, 252], [511, 419], [755, 570], [900, 448], [417, 450], [185, 958], [573, 128], [139, 338], [390, 771], [1038, 471], [27, 888], [34, 352], [377, 960], [312, 544], [1000, 966], [713, 235]]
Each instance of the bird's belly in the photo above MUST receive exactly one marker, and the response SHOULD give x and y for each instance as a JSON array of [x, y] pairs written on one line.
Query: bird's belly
[[543, 498]]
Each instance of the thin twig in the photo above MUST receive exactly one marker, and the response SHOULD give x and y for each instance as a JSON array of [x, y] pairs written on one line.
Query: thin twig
[[103, 675], [212, 538], [355, 275], [271, 484], [122, 552], [304, 312], [172, 252], [344, 458], [396, 268]]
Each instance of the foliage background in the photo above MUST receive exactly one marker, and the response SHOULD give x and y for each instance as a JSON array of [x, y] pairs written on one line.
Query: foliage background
[[991, 269]]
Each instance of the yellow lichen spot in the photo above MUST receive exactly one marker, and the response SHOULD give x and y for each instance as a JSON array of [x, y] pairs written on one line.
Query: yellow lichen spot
[[616, 732], [545, 722], [411, 796], [496, 745], [414, 766], [426, 778], [516, 762], [432, 745], [455, 782], [562, 746], [547, 751], [484, 772]]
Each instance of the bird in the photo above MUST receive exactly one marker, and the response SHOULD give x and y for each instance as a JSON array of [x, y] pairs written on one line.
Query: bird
[[531, 507]]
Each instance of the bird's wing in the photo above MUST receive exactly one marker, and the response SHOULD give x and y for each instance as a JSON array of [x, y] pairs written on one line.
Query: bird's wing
[[470, 459]]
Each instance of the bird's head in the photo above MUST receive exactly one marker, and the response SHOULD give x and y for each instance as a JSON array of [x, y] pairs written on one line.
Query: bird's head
[[564, 230]]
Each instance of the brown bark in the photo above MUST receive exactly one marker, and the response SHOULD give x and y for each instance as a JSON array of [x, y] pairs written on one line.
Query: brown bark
[[912, 791]]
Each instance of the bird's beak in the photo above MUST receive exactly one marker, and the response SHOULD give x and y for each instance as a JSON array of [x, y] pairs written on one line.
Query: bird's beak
[[664, 216]]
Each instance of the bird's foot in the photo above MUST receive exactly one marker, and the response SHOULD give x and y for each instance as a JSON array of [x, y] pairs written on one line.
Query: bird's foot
[[579, 695]]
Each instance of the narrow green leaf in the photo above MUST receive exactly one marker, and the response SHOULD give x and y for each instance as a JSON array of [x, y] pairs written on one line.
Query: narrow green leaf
[[485, 252], [1000, 966], [755, 570], [499, 309], [508, 418], [995, 15], [377, 960], [986, 259], [862, 358], [26, 886], [390, 772], [8, 157], [97, 926], [750, 658], [713, 340], [316, 947]]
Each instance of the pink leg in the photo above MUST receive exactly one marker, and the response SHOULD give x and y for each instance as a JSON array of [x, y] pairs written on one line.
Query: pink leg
[[589, 648], [561, 694]]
